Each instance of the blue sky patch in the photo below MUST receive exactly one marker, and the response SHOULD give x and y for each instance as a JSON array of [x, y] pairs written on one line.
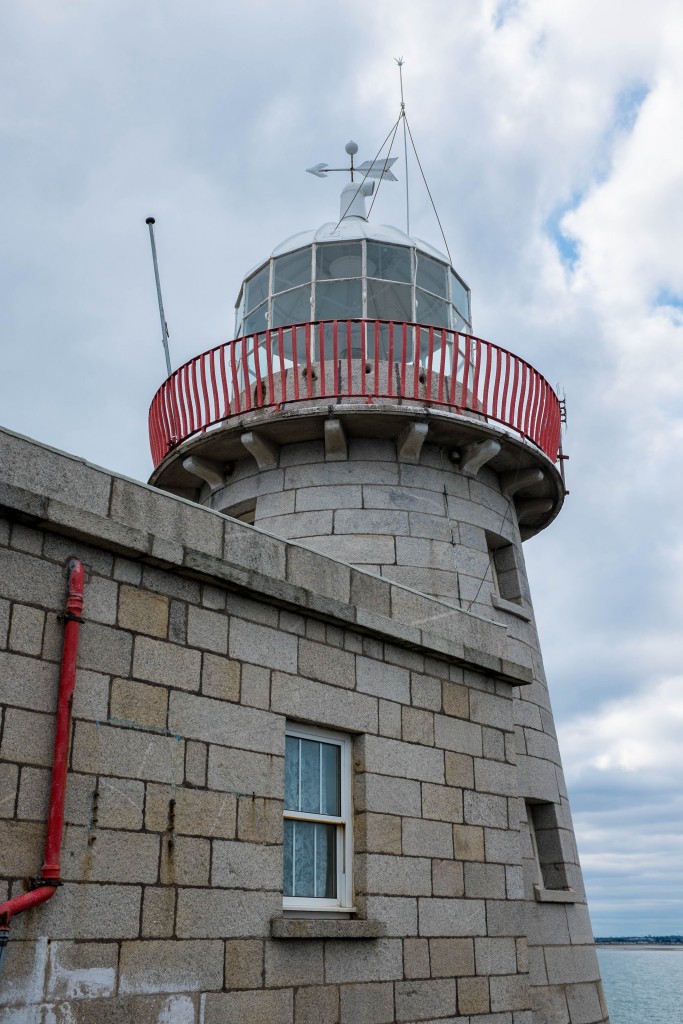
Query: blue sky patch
[[669, 298], [627, 105], [503, 11], [567, 247]]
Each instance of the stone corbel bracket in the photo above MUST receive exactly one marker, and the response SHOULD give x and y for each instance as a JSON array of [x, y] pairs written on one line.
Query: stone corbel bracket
[[336, 445], [474, 457], [211, 473], [511, 483], [409, 442], [265, 453], [531, 507]]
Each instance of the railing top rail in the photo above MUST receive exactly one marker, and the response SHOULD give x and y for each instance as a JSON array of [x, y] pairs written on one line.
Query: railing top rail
[[265, 370], [350, 320]]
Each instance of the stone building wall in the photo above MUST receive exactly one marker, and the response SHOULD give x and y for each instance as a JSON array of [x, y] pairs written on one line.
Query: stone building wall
[[202, 636]]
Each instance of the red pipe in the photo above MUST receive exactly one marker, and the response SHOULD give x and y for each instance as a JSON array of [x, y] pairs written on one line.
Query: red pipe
[[49, 876]]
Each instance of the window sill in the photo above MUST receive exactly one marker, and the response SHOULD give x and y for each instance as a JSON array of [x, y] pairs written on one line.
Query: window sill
[[325, 928], [554, 895], [511, 607]]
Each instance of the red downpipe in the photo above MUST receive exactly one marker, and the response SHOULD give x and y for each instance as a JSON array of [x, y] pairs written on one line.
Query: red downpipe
[[49, 878]]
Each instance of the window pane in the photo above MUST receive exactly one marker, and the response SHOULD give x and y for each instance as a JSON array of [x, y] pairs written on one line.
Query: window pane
[[256, 288], [390, 301], [339, 259], [325, 861], [256, 321], [431, 275], [292, 773], [292, 307], [310, 860], [291, 270], [338, 300], [288, 883], [310, 776], [329, 776], [431, 310], [304, 859], [460, 297], [391, 262]]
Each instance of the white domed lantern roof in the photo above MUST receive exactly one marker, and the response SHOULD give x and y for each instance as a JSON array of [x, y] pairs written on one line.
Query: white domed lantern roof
[[353, 269]]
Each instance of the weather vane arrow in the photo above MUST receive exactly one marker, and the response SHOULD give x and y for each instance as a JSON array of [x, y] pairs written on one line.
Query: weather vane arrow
[[320, 170], [369, 169]]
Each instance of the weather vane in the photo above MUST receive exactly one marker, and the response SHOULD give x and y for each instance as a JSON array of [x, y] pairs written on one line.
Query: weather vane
[[368, 169]]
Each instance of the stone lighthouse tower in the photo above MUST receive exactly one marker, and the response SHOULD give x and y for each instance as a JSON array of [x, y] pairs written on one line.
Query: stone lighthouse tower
[[357, 414]]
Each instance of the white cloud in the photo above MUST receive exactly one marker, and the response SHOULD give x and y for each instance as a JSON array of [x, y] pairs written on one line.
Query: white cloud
[[641, 733], [623, 765]]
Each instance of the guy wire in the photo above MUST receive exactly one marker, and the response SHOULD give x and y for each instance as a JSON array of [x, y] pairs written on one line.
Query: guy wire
[[392, 129]]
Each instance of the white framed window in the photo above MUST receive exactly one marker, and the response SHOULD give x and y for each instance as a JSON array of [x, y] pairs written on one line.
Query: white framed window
[[318, 841]]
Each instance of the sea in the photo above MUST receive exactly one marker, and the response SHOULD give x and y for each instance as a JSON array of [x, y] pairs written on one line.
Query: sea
[[643, 986]]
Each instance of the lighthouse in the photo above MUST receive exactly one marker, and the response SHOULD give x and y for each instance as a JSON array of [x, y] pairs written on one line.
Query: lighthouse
[[358, 415], [276, 724]]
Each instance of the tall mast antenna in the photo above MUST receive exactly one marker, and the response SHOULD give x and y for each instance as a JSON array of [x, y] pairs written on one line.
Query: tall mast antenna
[[399, 61], [164, 326]]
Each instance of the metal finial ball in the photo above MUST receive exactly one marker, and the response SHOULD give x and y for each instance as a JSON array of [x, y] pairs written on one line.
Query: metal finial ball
[[150, 220], [351, 148]]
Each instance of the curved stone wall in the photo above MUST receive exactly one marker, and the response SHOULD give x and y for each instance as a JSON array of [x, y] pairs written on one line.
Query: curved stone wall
[[427, 526], [440, 531]]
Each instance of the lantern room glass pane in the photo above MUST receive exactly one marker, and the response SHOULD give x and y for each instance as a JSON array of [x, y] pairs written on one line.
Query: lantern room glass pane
[[310, 860], [339, 259], [431, 275], [338, 300], [460, 297], [388, 301], [256, 321], [390, 262], [377, 341], [291, 270], [430, 310], [348, 340], [292, 307], [256, 288], [459, 324]]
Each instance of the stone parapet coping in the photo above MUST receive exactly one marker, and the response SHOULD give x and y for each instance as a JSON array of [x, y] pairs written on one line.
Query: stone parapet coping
[[71, 497]]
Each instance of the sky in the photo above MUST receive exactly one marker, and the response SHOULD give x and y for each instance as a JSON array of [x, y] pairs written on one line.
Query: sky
[[550, 134]]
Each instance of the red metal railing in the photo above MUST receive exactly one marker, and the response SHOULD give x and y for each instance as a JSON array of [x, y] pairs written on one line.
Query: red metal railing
[[362, 359]]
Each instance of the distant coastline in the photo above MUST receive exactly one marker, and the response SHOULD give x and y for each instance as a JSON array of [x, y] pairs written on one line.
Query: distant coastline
[[641, 942], [639, 945]]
